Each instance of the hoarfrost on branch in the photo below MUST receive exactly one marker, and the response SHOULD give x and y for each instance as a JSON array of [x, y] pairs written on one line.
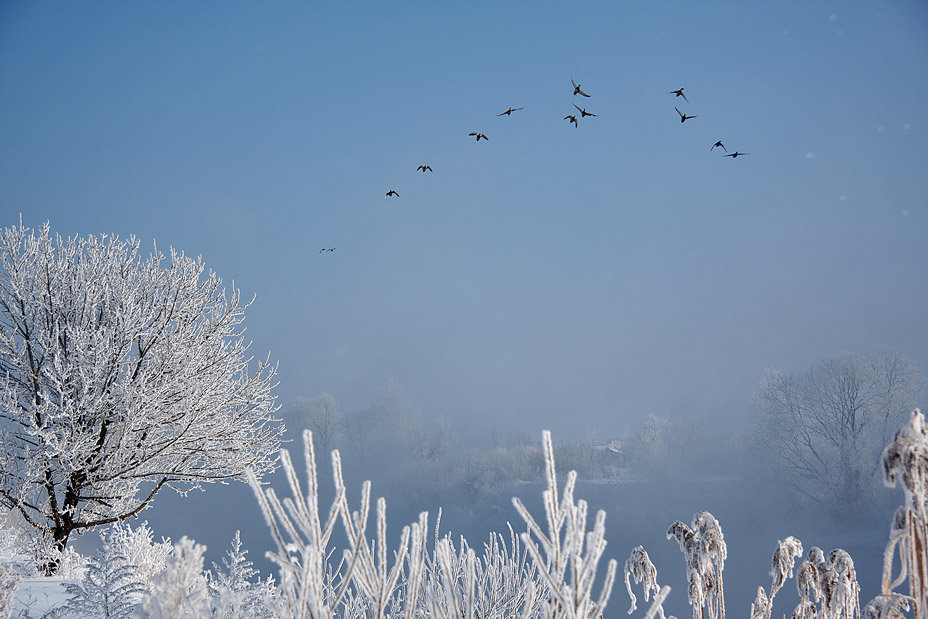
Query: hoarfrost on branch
[[120, 375]]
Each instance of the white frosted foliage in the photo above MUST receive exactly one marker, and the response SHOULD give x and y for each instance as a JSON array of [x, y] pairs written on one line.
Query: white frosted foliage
[[119, 376], [370, 579], [180, 589], [571, 554]]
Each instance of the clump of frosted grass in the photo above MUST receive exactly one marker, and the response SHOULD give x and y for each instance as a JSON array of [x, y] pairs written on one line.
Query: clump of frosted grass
[[543, 572], [827, 587], [704, 550], [568, 568]]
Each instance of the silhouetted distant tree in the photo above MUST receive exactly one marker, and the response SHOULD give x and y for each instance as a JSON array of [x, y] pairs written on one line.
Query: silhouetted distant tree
[[320, 415], [822, 429]]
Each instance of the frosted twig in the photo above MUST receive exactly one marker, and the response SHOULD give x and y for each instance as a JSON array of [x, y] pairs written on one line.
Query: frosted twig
[[571, 555]]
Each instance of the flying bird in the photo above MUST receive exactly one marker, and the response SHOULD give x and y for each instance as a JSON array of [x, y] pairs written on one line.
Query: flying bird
[[571, 118], [720, 145], [424, 168], [679, 93], [326, 249], [583, 112], [577, 90], [684, 117], [735, 154], [510, 111], [392, 192], [478, 136]]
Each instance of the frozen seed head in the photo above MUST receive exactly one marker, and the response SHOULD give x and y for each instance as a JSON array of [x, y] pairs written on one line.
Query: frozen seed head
[[784, 558], [906, 458]]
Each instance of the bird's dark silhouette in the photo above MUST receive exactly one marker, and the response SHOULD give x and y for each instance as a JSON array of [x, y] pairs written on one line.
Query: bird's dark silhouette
[[572, 118], [424, 168], [679, 93], [735, 155], [684, 117], [478, 136], [326, 249], [392, 193], [510, 111], [583, 112], [577, 90], [720, 145]]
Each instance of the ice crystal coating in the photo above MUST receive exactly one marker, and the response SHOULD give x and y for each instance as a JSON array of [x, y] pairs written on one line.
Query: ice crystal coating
[[120, 376]]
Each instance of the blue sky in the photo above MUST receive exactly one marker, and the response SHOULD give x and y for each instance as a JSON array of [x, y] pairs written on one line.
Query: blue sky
[[551, 277]]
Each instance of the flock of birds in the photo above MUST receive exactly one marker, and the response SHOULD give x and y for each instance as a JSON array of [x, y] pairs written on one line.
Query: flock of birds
[[571, 119], [686, 117]]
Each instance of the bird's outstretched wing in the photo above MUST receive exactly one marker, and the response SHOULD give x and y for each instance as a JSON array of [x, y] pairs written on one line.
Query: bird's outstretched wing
[[577, 90]]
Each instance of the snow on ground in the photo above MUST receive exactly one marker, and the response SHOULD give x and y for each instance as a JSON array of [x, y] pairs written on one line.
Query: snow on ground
[[36, 597]]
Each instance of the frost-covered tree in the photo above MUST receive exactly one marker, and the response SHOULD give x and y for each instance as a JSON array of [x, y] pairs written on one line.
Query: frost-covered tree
[[389, 426], [651, 447], [667, 447], [119, 376], [822, 429]]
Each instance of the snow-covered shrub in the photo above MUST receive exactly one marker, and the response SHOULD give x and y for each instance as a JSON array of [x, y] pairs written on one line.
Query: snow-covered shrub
[[46, 557], [13, 538], [139, 548], [234, 592], [180, 588], [10, 577], [111, 583], [15, 563], [110, 587]]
